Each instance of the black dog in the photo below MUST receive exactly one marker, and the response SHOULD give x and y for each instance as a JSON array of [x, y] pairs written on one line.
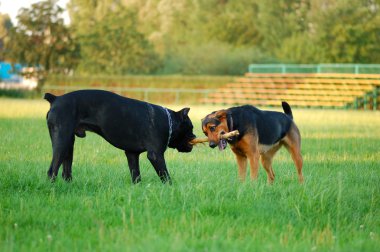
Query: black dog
[[131, 125]]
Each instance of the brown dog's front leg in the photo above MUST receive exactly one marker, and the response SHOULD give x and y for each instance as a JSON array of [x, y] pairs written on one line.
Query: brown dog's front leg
[[254, 164], [242, 164]]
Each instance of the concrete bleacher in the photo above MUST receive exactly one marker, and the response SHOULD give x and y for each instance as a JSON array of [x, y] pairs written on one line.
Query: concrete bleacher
[[303, 90]]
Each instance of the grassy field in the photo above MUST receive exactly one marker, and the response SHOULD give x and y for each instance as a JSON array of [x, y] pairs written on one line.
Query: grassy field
[[206, 208]]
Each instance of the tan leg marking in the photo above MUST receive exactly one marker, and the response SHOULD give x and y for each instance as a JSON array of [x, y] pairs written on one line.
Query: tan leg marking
[[254, 158], [253, 154], [266, 161], [292, 142], [242, 166], [243, 150]]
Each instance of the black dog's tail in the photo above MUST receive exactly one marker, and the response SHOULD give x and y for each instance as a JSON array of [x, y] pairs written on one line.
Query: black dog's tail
[[50, 97], [287, 109]]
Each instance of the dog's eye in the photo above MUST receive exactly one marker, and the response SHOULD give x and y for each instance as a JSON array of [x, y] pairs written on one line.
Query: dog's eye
[[212, 128]]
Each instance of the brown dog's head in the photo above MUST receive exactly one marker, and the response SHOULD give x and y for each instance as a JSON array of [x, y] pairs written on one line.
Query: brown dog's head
[[214, 126]]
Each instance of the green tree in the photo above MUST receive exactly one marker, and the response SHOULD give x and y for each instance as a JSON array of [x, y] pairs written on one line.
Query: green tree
[[233, 22], [5, 27], [115, 46], [41, 39], [200, 36], [84, 14], [314, 31], [349, 31], [207, 36]]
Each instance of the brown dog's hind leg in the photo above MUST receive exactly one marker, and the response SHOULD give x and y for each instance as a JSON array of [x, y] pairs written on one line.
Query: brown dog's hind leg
[[292, 142], [266, 161]]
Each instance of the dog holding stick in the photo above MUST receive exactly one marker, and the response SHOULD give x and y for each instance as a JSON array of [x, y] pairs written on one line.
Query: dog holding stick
[[130, 125], [262, 134]]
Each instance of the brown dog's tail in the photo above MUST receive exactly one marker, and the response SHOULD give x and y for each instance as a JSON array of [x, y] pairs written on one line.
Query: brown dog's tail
[[287, 109], [50, 97]]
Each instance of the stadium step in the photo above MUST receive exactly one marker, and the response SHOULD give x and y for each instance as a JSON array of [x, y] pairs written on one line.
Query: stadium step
[[357, 91]]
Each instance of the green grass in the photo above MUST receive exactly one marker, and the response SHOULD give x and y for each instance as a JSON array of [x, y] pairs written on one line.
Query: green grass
[[206, 208]]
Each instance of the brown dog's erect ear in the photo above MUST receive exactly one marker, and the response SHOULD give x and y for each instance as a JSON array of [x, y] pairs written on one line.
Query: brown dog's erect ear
[[184, 112], [221, 114]]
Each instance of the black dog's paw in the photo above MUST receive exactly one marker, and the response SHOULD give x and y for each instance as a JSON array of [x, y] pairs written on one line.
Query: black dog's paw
[[67, 178], [51, 176], [166, 180], [136, 180]]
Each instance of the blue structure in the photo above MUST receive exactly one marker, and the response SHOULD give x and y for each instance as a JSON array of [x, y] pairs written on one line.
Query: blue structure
[[9, 73]]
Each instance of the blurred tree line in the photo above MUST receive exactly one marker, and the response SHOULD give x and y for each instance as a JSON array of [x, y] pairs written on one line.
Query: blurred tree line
[[215, 37]]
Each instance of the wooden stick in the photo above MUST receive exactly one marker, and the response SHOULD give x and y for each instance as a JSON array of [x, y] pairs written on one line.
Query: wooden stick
[[205, 139]]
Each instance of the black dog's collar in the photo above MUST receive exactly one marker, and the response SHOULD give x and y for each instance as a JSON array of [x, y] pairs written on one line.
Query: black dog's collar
[[170, 125]]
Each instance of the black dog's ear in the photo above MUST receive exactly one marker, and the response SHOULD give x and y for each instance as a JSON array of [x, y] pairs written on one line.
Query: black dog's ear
[[184, 112], [50, 97]]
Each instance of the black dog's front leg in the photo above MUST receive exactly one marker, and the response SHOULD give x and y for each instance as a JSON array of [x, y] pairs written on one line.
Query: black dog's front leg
[[158, 162], [134, 167]]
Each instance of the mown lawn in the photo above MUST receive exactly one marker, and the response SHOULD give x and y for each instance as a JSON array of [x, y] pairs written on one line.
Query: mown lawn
[[206, 208]]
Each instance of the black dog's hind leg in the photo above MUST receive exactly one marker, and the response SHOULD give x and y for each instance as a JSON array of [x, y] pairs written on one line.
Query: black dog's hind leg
[[158, 162], [67, 162], [134, 167], [62, 143]]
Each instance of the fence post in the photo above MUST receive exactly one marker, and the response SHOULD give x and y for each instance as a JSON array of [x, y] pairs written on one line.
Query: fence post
[[356, 103], [365, 101], [375, 93], [356, 68], [250, 68]]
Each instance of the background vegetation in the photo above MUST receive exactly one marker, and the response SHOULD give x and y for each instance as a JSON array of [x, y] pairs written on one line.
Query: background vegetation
[[213, 37], [206, 208]]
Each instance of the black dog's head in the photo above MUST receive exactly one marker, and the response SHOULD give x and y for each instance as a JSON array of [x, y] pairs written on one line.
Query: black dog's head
[[182, 131]]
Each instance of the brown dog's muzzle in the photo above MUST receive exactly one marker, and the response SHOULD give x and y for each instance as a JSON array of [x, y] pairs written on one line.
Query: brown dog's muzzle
[[212, 144]]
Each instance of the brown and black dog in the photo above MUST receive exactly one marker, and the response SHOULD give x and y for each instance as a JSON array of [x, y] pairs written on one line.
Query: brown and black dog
[[262, 133]]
